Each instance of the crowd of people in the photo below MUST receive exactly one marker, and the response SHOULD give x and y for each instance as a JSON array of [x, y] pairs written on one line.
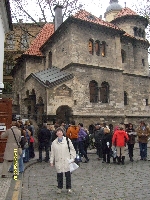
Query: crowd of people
[[62, 142], [17, 131]]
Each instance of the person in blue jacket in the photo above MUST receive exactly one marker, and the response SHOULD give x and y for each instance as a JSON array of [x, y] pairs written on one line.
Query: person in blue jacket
[[81, 141]]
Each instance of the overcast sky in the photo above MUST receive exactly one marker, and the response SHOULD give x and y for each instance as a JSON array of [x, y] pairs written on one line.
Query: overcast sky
[[95, 7]]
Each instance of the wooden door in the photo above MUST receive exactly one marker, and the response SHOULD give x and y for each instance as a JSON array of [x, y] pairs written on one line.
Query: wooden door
[[5, 122]]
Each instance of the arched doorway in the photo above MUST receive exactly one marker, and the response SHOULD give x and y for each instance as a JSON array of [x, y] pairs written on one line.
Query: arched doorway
[[64, 113]]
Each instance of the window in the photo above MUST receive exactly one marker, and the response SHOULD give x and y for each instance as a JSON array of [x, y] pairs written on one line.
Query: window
[[103, 48], [24, 41], [97, 47], [10, 44], [50, 59], [93, 87], [135, 29], [8, 68], [146, 102], [104, 92], [140, 32], [91, 46], [125, 98], [143, 34], [123, 55], [143, 62]]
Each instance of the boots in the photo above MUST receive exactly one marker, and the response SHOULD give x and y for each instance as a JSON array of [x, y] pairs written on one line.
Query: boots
[[118, 160], [114, 160], [131, 159], [123, 158]]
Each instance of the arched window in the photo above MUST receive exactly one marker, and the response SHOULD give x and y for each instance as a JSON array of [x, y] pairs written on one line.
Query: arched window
[[103, 48], [91, 46], [125, 98], [104, 92], [135, 29], [143, 34], [93, 87], [97, 47], [50, 59], [123, 55], [140, 32]]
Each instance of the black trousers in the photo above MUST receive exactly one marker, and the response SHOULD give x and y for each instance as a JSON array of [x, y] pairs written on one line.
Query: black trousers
[[44, 145], [60, 180], [130, 149]]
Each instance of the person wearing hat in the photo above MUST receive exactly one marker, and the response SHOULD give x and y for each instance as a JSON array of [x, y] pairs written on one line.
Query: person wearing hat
[[11, 144], [143, 133], [61, 152], [119, 140]]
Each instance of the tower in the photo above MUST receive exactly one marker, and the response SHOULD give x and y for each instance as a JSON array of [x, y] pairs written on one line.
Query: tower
[[112, 10]]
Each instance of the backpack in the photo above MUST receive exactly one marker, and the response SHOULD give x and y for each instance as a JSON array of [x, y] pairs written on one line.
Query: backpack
[[23, 143]]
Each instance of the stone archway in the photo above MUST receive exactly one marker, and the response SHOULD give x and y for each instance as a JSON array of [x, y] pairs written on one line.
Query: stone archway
[[65, 113]]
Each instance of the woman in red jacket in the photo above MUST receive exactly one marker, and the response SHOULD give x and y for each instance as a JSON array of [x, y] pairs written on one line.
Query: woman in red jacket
[[119, 140]]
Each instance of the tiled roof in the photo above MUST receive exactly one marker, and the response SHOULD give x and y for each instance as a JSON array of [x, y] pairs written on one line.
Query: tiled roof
[[52, 76], [86, 16], [126, 12], [139, 38], [41, 38]]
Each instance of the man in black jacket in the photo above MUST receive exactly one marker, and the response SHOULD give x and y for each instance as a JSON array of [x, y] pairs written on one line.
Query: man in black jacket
[[98, 136], [44, 137]]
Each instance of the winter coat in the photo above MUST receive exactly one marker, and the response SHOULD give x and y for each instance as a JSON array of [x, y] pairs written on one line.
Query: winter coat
[[82, 135], [44, 135], [72, 132], [143, 134], [98, 135], [60, 153], [106, 138], [120, 138], [11, 142], [131, 136]]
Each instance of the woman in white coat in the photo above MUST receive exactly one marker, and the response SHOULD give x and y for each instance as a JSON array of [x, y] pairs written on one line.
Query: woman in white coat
[[59, 157]]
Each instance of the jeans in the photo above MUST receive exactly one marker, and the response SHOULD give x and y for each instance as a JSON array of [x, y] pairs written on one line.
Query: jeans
[[44, 145], [75, 144], [60, 180], [143, 150], [21, 164], [81, 150], [26, 158]]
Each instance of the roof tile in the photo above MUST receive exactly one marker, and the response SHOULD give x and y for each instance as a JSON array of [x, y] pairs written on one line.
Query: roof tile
[[86, 16], [125, 12], [41, 38]]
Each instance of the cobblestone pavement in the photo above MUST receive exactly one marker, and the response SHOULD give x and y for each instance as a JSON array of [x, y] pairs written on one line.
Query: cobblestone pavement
[[92, 181]]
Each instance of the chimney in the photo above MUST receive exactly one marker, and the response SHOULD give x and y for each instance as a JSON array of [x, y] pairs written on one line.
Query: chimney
[[58, 20]]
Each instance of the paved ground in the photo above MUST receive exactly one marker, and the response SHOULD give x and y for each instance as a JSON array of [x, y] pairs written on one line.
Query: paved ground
[[92, 181]]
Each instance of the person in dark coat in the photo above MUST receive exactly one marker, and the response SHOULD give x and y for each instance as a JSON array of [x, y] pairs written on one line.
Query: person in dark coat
[[131, 134], [98, 136], [106, 145], [44, 138]]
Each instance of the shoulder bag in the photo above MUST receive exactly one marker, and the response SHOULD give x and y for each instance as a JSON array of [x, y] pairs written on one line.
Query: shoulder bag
[[73, 166]]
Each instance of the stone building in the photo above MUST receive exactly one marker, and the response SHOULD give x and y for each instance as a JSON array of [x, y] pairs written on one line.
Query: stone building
[[17, 41], [87, 69]]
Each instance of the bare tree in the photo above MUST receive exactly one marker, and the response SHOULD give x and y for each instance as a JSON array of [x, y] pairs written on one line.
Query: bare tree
[[41, 9]]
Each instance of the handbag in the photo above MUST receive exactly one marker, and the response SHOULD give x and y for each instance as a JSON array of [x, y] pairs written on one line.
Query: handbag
[[19, 147], [31, 139], [72, 165]]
